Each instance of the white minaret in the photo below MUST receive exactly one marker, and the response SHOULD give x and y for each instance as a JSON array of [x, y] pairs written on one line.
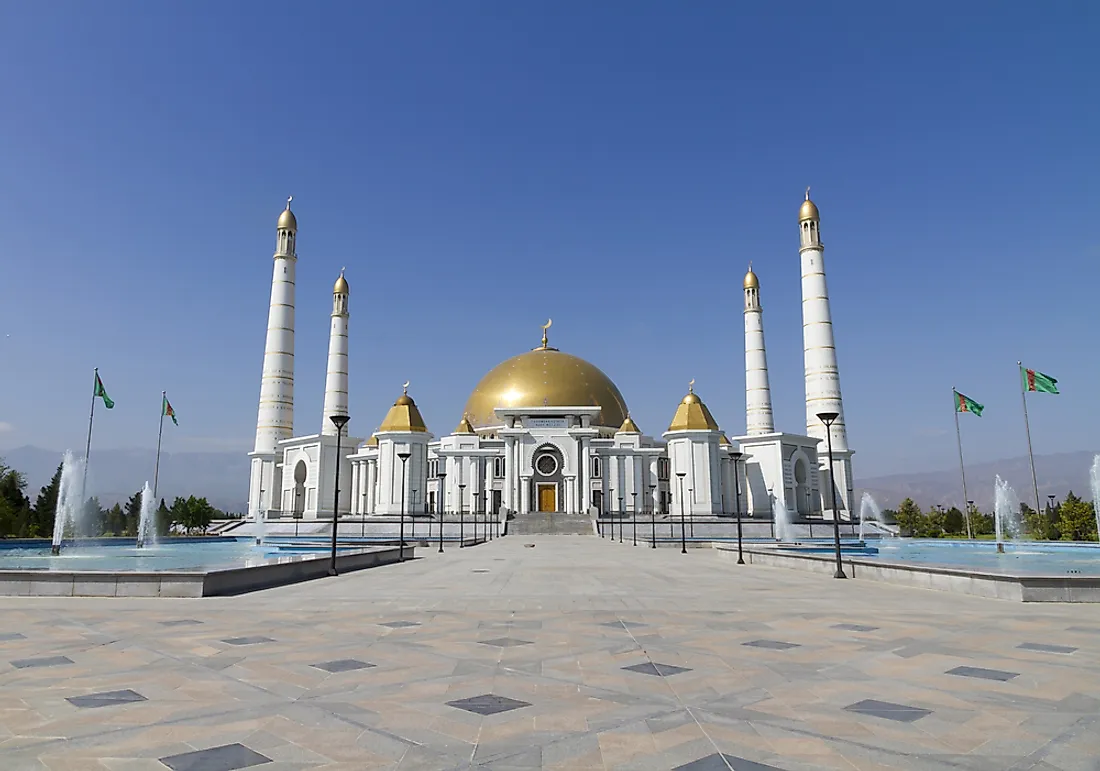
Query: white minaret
[[275, 420], [819, 348], [758, 394], [336, 381]]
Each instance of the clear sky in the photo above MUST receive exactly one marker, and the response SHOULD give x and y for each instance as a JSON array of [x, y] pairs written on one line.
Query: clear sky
[[481, 166]]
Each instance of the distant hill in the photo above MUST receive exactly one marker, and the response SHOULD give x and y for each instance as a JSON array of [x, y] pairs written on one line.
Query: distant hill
[[1057, 474], [223, 477], [115, 475]]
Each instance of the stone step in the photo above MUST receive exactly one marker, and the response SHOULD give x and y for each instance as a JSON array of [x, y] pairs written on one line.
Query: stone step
[[543, 523]]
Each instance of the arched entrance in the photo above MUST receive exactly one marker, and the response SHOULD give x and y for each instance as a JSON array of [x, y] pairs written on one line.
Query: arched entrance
[[802, 487], [547, 479], [300, 488]]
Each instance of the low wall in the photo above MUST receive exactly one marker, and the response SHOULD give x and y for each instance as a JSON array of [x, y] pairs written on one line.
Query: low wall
[[276, 572], [993, 585]]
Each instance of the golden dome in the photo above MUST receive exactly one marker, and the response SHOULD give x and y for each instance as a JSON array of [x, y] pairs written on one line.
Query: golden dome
[[464, 426], [693, 415], [629, 426], [808, 211], [372, 442], [341, 286], [751, 281], [545, 377], [403, 416], [723, 439], [287, 220]]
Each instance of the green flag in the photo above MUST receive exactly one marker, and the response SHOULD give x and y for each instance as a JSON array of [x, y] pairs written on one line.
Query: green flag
[[166, 409], [966, 404], [1037, 381], [108, 402]]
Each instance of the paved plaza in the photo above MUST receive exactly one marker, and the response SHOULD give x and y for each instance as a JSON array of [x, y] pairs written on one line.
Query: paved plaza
[[574, 654]]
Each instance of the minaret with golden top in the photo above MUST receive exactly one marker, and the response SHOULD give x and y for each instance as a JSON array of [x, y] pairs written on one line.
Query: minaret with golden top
[[336, 379], [758, 395]]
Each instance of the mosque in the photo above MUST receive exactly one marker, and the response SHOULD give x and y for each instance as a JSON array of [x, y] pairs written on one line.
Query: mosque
[[546, 431]]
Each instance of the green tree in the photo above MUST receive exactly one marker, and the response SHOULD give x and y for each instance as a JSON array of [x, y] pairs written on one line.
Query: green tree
[[1078, 519], [953, 521], [164, 519], [980, 522], [932, 525], [132, 513], [15, 508], [194, 514], [93, 519], [114, 521], [909, 517], [45, 507], [1041, 526]]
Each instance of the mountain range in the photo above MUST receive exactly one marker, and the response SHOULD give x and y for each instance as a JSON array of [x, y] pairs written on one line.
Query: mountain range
[[222, 477]]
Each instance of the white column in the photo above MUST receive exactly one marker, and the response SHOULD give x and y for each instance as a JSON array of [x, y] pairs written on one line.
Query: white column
[[758, 399], [525, 495], [336, 378], [819, 348]]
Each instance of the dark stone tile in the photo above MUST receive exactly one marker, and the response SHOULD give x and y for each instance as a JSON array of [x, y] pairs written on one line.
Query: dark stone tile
[[505, 642], [247, 640], [1091, 629], [343, 665], [1044, 648], [855, 627], [106, 699], [46, 661], [625, 624], [888, 710], [181, 622], [661, 670], [228, 757], [488, 704], [777, 645], [479, 570], [983, 674], [12, 636], [723, 762], [400, 624]]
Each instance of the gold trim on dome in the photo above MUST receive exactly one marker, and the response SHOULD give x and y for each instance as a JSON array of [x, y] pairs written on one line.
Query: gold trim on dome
[[372, 442], [692, 414], [403, 415], [723, 439], [545, 377], [464, 426], [628, 426]]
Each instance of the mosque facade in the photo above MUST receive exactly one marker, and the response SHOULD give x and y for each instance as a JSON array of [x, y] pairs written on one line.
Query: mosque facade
[[548, 432]]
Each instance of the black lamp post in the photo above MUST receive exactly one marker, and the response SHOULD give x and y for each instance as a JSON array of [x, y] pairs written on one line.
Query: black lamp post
[[461, 514], [736, 456], [621, 512], [610, 513], [404, 456], [683, 533], [691, 516], [475, 517], [828, 418], [652, 515], [442, 474], [339, 421], [634, 519]]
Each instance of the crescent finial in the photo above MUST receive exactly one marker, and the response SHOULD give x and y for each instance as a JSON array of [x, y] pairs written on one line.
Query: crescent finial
[[545, 327], [289, 198], [691, 386], [405, 387], [807, 192]]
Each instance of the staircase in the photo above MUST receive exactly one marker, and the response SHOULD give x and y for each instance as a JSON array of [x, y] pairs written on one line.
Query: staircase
[[543, 523]]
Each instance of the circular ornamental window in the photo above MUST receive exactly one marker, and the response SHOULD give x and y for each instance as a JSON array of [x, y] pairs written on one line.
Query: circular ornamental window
[[546, 465]]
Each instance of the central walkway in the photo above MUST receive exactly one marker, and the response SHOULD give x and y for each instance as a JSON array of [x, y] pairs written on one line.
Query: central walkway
[[575, 654]]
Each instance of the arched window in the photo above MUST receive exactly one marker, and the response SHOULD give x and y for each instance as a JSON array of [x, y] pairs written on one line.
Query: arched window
[[597, 466]]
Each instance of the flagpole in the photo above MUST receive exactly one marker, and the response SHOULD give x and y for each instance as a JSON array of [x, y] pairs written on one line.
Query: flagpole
[[1027, 430], [160, 435], [962, 466], [88, 446]]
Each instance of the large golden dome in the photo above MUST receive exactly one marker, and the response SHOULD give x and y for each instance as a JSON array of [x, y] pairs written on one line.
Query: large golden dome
[[545, 377]]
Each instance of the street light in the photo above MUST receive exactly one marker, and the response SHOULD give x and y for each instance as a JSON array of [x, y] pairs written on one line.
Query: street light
[[475, 517], [611, 514], [404, 456], [442, 474], [621, 512], [828, 418], [634, 519], [339, 421], [652, 515], [461, 513], [736, 456], [969, 510], [683, 533], [691, 516]]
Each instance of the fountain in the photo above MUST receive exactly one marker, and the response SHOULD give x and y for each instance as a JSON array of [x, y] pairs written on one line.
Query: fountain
[[869, 512], [70, 500], [147, 526], [1006, 513], [1094, 478], [782, 521]]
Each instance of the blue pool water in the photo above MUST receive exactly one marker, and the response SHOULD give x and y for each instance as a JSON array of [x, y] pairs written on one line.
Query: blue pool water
[[176, 556], [1020, 558]]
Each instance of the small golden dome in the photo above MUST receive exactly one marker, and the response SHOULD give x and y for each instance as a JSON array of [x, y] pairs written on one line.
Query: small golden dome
[[372, 442], [629, 427], [545, 377], [341, 286], [464, 427], [751, 281], [723, 439], [287, 220], [808, 211], [403, 416], [692, 415]]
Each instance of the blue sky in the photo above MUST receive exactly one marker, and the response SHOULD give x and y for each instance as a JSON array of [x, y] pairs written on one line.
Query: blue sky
[[481, 166]]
